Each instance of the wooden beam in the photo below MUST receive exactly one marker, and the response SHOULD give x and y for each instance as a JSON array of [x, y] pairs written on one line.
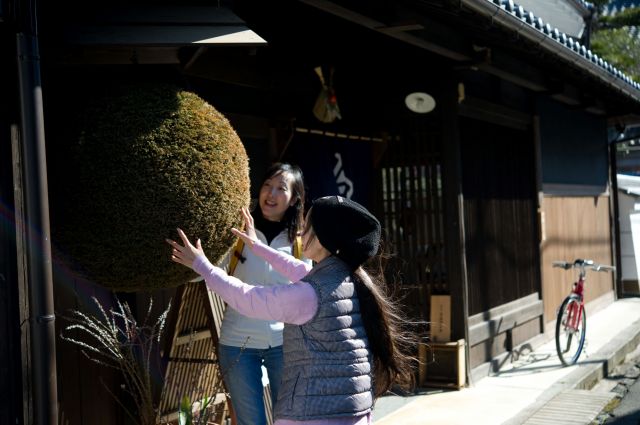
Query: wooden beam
[[482, 110], [501, 323], [194, 57], [198, 335], [393, 29], [507, 67], [118, 56], [237, 66], [566, 93], [360, 19], [593, 105]]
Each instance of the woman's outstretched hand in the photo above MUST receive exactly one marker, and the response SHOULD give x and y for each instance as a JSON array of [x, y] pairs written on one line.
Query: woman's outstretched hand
[[185, 254], [249, 235]]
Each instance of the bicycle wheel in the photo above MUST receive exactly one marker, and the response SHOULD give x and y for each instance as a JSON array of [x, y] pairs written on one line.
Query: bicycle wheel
[[569, 332]]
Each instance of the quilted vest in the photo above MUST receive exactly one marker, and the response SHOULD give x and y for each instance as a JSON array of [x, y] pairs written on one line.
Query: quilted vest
[[327, 369]]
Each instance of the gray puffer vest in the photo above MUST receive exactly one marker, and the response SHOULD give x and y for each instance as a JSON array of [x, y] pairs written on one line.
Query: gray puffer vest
[[327, 369]]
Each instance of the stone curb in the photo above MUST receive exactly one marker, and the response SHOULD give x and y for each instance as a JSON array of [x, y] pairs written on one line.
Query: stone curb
[[589, 372]]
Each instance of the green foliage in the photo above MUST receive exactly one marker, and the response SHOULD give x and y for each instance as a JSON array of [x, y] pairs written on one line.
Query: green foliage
[[185, 415], [203, 411], [144, 161], [620, 48], [613, 42], [628, 17]]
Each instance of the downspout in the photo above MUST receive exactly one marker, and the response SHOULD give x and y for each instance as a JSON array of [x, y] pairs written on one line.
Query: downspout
[[36, 229], [617, 255]]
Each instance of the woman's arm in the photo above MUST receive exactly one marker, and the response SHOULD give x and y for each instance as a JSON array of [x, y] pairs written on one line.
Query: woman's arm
[[287, 265], [295, 303]]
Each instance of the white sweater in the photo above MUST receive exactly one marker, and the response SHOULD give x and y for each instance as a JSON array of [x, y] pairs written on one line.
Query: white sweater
[[236, 328]]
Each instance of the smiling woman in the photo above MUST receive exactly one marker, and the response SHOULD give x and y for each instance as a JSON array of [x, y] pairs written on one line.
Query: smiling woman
[[276, 196], [281, 197], [247, 344]]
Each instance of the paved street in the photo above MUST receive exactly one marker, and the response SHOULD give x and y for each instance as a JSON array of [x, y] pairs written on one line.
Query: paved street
[[624, 382], [535, 387]]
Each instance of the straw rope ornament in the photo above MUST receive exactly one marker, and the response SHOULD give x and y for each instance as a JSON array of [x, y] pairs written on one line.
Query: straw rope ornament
[[326, 108]]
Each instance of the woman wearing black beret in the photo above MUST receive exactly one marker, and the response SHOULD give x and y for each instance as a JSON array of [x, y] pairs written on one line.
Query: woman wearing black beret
[[343, 343]]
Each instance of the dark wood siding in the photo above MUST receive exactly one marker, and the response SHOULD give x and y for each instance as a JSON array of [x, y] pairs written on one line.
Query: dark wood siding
[[82, 396], [11, 395], [498, 173]]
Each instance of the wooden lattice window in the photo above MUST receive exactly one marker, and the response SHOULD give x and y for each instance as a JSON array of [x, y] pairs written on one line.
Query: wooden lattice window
[[192, 366], [412, 216], [191, 356]]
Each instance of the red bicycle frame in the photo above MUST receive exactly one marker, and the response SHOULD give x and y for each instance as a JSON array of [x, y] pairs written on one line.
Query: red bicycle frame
[[574, 317]]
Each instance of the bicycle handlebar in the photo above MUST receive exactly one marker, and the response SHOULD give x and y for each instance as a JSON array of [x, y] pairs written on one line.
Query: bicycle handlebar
[[583, 264]]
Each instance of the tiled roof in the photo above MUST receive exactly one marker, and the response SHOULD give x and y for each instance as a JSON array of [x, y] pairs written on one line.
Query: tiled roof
[[536, 22], [586, 3]]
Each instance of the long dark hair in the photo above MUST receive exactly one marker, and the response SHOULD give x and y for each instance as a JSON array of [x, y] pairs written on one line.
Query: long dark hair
[[390, 343], [294, 214]]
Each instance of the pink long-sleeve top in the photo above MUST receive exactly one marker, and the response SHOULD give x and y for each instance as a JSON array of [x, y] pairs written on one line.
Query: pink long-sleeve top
[[295, 304]]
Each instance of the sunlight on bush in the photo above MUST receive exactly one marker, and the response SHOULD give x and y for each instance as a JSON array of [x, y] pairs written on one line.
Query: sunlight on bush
[[142, 162]]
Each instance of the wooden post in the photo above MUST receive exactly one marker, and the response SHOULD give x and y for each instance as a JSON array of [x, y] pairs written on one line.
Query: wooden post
[[454, 211]]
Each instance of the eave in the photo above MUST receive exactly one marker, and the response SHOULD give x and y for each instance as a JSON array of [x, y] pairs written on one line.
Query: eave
[[528, 33]]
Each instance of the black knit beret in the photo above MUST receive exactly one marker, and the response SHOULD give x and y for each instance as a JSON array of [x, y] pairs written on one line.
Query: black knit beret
[[346, 229]]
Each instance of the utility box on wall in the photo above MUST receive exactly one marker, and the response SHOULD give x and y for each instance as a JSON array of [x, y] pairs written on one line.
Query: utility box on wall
[[442, 364]]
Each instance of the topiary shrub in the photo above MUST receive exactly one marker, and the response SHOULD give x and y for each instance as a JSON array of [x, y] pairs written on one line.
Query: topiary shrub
[[144, 162]]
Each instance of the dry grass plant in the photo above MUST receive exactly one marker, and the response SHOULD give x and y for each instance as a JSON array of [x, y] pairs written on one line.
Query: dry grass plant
[[116, 340]]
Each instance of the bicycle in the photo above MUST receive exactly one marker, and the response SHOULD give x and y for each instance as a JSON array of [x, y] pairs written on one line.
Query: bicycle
[[571, 323]]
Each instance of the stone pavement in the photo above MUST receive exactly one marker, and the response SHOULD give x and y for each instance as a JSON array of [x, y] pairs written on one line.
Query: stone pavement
[[535, 389]]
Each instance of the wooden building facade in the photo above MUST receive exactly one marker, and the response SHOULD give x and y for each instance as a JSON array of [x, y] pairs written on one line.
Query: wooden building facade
[[509, 172]]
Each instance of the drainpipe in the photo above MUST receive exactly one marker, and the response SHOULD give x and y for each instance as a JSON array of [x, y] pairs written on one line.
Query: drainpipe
[[617, 255], [36, 219]]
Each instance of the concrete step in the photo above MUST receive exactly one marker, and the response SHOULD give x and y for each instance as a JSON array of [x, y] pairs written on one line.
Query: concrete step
[[571, 407]]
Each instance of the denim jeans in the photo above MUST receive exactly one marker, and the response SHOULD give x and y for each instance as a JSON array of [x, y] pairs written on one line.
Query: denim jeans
[[242, 374]]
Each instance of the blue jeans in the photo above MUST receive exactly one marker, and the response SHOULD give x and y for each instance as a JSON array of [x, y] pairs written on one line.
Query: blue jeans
[[242, 374]]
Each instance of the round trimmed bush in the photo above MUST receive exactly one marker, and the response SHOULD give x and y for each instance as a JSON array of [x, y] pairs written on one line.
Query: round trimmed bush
[[146, 161]]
